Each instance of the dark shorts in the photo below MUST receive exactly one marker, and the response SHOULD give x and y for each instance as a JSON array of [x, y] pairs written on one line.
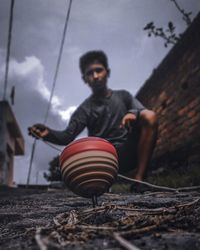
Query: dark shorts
[[127, 153]]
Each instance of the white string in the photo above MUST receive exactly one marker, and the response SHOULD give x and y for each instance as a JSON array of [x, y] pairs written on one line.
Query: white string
[[134, 180], [147, 183]]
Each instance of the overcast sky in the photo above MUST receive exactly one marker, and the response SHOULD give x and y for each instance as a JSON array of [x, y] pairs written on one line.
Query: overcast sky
[[115, 26]]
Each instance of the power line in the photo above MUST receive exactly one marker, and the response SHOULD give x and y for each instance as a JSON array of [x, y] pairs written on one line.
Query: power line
[[31, 161], [58, 62], [8, 48], [53, 86]]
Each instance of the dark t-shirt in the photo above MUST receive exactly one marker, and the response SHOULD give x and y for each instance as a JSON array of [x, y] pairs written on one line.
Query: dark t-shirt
[[102, 117]]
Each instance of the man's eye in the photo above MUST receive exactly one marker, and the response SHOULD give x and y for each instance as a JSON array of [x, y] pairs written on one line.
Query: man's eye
[[91, 72], [98, 70]]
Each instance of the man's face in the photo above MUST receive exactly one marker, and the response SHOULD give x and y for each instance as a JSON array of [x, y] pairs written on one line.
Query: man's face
[[96, 76]]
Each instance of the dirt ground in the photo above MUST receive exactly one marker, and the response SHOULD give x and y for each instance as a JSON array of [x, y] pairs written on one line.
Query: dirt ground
[[58, 219]]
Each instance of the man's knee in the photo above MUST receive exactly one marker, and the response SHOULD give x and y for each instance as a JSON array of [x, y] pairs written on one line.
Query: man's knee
[[148, 118]]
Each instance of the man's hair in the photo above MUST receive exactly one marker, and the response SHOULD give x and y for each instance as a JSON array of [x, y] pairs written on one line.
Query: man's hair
[[91, 57]]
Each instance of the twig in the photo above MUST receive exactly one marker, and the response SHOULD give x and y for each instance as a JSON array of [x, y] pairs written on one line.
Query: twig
[[95, 227], [144, 211], [96, 209], [186, 16], [156, 193], [38, 239], [188, 204], [124, 243], [140, 230], [72, 228]]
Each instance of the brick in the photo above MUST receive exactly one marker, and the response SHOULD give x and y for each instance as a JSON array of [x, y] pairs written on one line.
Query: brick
[[182, 111], [194, 103], [196, 118], [191, 114]]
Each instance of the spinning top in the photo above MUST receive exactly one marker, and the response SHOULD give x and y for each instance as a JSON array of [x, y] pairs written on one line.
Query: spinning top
[[89, 166]]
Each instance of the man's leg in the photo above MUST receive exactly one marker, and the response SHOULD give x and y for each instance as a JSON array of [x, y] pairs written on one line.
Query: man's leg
[[148, 127]]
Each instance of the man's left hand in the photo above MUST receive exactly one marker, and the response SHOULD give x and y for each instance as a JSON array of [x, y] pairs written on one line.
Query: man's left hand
[[128, 121]]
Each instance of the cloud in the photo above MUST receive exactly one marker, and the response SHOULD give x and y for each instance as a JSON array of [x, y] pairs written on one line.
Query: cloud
[[30, 65], [31, 100], [31, 74], [66, 114]]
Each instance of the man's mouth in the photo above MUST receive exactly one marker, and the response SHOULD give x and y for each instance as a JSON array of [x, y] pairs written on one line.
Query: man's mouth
[[98, 85]]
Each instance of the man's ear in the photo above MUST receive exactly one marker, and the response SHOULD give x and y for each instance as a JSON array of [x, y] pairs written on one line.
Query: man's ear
[[84, 79], [108, 72]]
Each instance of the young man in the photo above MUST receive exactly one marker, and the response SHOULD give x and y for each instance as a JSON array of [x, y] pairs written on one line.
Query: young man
[[114, 115]]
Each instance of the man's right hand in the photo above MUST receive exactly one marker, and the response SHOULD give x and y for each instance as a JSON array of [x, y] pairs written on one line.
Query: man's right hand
[[38, 131]]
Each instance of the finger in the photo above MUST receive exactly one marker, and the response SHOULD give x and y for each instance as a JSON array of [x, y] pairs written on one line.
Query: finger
[[122, 125], [34, 132], [127, 125], [30, 130], [44, 133], [39, 126], [124, 122], [37, 131]]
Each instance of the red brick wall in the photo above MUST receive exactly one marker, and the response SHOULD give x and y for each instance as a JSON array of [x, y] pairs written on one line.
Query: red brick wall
[[173, 92]]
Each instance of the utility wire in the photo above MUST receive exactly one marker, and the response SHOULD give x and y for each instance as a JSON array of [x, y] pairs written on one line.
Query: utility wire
[[53, 86], [8, 48], [58, 62], [31, 161]]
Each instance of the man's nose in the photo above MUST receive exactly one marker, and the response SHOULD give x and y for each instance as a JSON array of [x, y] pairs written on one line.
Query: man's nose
[[95, 75]]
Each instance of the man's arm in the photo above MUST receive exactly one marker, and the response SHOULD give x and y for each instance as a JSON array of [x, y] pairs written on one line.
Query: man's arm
[[76, 125], [128, 121], [134, 107], [64, 137]]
